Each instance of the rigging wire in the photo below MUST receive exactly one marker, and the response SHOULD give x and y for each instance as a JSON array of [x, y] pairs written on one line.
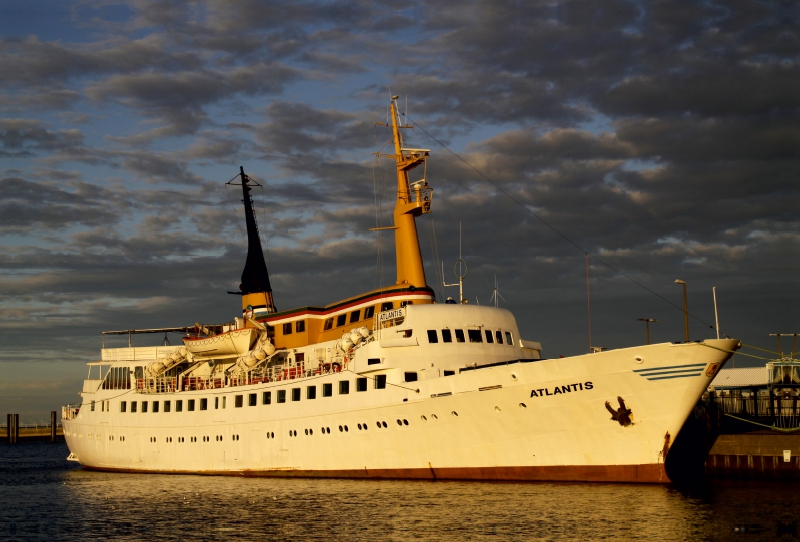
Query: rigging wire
[[557, 231]]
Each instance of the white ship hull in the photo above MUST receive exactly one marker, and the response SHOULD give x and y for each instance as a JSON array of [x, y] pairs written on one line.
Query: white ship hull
[[505, 422]]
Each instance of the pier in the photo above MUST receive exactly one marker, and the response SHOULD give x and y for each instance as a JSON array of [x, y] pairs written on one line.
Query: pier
[[14, 432]]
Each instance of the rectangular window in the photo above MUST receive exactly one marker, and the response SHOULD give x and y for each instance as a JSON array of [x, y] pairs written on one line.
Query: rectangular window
[[311, 392], [387, 306], [167, 406], [328, 324], [224, 400], [411, 377], [179, 405], [216, 403], [373, 361], [508, 338], [341, 320], [295, 394], [155, 406], [369, 312], [344, 387], [190, 405], [287, 328], [138, 372], [355, 316], [474, 335], [433, 336], [459, 335], [203, 404], [144, 406], [489, 336], [380, 382], [405, 303], [266, 397], [281, 396], [133, 406], [252, 399], [300, 326], [447, 336], [238, 401], [449, 373], [499, 337], [327, 390], [361, 384], [102, 406], [123, 406], [92, 406]]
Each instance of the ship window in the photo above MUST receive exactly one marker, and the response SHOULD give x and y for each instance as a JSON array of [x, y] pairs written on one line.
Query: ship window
[[287, 328], [138, 372], [155, 406], [252, 399], [281, 396], [167, 406], [449, 373], [474, 335], [411, 377], [380, 382], [369, 312], [489, 336], [311, 392], [266, 398], [433, 336], [327, 390], [341, 320], [203, 404], [179, 405], [459, 335], [133, 406], [328, 324], [387, 306], [373, 361], [404, 303], [447, 336], [295, 394], [344, 387], [238, 401], [499, 336], [216, 402], [508, 338], [355, 316], [300, 326], [92, 406], [361, 384], [190, 405], [123, 406]]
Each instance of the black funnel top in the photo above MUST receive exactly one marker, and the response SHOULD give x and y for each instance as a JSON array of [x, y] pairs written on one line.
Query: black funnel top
[[255, 277]]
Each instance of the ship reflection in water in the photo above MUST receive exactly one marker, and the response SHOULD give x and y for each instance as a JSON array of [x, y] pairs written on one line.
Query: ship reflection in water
[[42, 497]]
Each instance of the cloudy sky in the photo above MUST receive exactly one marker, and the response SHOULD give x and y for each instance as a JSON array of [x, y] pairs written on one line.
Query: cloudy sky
[[661, 138]]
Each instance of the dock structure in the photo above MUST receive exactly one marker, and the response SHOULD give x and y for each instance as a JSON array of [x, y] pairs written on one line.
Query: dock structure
[[14, 432]]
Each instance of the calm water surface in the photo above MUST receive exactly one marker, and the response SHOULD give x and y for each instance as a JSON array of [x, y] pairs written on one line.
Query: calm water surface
[[43, 497]]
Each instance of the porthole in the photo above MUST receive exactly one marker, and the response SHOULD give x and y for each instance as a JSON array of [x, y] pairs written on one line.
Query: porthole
[[399, 422], [290, 433], [379, 424], [434, 416], [341, 428], [345, 429], [306, 432], [328, 430], [295, 433], [423, 418], [384, 424], [310, 432], [638, 359], [359, 427], [365, 427], [514, 376], [454, 413], [405, 422], [497, 409], [523, 405], [272, 435]]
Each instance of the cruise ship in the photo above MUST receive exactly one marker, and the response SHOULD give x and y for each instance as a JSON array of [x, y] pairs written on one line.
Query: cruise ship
[[388, 383]]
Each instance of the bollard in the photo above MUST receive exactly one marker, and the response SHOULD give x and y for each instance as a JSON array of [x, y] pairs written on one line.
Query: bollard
[[9, 427], [53, 426], [16, 428]]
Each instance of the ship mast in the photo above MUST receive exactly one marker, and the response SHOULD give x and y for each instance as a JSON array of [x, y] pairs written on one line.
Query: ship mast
[[413, 200]]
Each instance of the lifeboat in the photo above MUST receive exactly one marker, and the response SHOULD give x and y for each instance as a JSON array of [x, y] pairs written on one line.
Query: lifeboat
[[232, 343]]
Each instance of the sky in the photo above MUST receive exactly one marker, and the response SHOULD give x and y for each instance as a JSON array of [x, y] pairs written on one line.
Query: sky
[[659, 138]]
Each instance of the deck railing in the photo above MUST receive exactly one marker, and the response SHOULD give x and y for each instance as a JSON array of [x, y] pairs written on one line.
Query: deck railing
[[70, 412]]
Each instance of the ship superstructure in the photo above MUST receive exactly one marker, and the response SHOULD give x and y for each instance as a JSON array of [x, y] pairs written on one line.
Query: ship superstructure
[[387, 383]]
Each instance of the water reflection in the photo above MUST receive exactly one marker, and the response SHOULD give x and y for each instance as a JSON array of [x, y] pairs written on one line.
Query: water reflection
[[43, 497]]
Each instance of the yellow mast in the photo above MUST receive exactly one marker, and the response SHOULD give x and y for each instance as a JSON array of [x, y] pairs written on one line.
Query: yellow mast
[[412, 201]]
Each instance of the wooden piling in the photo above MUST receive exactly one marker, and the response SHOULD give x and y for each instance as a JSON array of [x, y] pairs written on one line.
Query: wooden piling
[[9, 428], [53, 426], [16, 428]]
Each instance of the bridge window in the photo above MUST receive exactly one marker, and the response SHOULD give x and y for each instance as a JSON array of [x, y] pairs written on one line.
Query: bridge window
[[300, 326], [238, 401], [499, 335], [508, 338], [449, 373], [266, 398], [123, 406], [311, 392], [404, 303], [411, 377], [369, 312], [179, 405], [167, 406], [190, 405], [281, 396], [387, 306], [216, 402], [252, 399], [287, 328], [92, 406], [380, 382], [295, 394], [341, 320], [204, 404], [433, 336], [344, 387], [489, 336], [459, 335], [155, 406], [328, 324], [474, 335], [327, 390], [361, 384], [447, 336], [133, 406], [144, 406], [355, 316]]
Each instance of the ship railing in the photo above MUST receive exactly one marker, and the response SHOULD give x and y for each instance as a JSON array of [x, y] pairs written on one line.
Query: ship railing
[[193, 383], [158, 384], [70, 412]]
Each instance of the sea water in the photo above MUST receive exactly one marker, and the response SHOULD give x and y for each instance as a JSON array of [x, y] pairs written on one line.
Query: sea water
[[45, 497]]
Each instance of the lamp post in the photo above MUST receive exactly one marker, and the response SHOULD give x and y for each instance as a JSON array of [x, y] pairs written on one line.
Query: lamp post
[[647, 326], [685, 309]]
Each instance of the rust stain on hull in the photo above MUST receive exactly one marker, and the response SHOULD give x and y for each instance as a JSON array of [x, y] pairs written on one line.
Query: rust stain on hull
[[647, 473]]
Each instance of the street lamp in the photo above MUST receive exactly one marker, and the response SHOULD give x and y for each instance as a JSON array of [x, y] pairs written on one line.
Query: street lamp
[[685, 310], [647, 326]]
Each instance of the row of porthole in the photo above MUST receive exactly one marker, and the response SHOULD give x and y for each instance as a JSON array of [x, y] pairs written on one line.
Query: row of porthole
[[121, 438]]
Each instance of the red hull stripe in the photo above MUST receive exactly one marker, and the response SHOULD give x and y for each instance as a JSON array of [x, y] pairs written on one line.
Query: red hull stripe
[[651, 473]]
